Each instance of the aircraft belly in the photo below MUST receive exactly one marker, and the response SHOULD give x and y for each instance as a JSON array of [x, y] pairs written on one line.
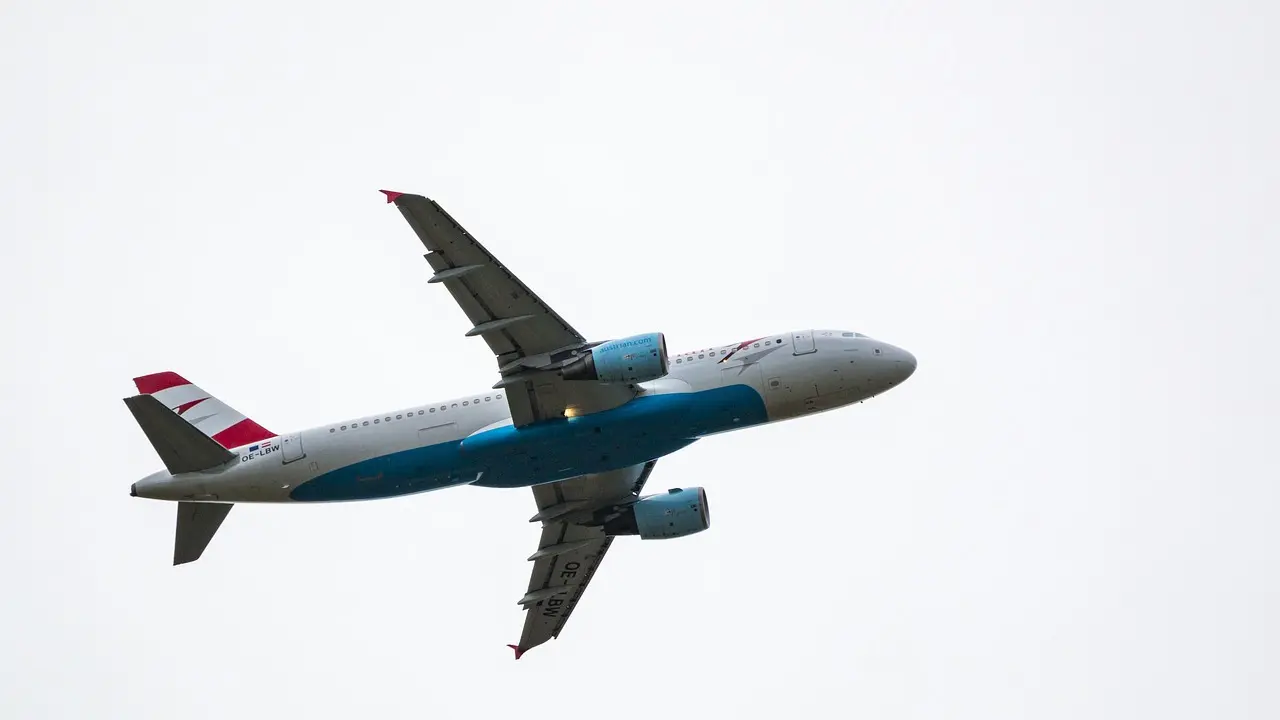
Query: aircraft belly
[[644, 429], [412, 470], [641, 430]]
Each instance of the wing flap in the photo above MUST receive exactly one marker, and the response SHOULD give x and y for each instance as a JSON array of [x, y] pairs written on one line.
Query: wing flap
[[520, 329], [483, 287], [558, 582], [569, 554]]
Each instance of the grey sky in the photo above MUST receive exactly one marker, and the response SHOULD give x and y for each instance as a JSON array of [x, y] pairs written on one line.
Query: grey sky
[[1066, 212]]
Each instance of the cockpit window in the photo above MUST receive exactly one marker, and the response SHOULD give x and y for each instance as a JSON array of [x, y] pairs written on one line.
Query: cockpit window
[[852, 334]]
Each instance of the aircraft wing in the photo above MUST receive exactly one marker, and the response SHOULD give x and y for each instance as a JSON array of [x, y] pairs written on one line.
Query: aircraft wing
[[528, 338], [568, 553]]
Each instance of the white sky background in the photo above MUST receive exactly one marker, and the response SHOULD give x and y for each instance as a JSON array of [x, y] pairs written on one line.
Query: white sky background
[[1067, 214]]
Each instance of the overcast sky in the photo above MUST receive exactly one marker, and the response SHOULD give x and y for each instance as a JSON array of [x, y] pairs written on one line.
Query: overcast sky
[[1067, 212]]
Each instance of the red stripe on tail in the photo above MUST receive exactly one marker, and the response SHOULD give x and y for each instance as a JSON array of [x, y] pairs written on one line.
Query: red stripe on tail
[[152, 384], [188, 405], [242, 433]]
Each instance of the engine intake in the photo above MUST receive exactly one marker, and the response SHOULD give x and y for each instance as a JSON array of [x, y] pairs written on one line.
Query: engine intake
[[675, 513], [633, 359]]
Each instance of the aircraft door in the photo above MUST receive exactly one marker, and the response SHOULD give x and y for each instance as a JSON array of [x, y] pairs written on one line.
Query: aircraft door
[[291, 448], [802, 342]]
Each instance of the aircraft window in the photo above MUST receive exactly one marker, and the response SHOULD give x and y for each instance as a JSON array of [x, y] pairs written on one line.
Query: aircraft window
[[779, 341], [344, 427], [375, 421], [455, 404], [433, 409], [486, 399], [442, 407], [476, 401], [723, 352], [387, 418], [366, 423], [757, 345], [679, 360], [846, 335], [701, 355], [399, 417], [877, 351], [332, 430], [464, 403], [499, 396]]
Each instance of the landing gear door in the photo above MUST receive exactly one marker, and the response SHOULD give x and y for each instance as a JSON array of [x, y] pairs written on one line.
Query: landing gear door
[[291, 448], [802, 342]]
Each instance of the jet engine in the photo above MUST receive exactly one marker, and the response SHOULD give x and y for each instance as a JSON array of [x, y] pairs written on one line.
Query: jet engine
[[675, 513], [634, 359]]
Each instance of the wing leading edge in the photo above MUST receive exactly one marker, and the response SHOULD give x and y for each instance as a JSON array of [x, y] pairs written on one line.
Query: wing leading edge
[[568, 553], [529, 339]]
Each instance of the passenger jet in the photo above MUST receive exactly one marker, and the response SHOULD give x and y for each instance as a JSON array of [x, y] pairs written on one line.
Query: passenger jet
[[582, 423]]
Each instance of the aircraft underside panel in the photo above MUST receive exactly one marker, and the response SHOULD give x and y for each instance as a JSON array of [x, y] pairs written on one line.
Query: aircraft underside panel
[[646, 428]]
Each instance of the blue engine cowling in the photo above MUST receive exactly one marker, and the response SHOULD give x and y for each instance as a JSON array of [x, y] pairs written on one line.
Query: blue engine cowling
[[675, 513], [634, 359]]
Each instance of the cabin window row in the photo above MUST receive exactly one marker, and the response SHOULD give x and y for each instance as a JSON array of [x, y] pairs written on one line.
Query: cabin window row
[[702, 355], [410, 414]]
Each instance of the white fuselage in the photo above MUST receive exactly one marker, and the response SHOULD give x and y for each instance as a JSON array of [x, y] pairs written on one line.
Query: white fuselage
[[470, 439]]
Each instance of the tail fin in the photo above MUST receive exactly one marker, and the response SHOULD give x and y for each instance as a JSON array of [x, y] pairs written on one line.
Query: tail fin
[[181, 447], [206, 413]]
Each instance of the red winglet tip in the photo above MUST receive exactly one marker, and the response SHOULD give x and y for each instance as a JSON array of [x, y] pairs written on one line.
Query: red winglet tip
[[519, 652], [391, 195]]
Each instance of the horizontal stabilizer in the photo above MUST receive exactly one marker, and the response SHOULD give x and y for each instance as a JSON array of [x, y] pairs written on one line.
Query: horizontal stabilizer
[[197, 522], [181, 447]]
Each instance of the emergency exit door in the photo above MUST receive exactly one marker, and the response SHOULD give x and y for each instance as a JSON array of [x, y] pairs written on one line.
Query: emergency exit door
[[802, 342], [291, 448]]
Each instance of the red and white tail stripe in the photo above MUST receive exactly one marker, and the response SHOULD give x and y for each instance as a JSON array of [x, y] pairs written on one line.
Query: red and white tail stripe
[[208, 414]]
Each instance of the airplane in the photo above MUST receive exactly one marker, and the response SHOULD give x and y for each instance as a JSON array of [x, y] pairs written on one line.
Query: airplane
[[582, 423]]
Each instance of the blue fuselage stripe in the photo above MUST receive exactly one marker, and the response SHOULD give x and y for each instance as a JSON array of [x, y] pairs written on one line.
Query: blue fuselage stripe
[[641, 430]]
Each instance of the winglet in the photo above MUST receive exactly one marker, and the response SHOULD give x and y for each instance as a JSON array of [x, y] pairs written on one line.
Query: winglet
[[519, 652], [391, 195]]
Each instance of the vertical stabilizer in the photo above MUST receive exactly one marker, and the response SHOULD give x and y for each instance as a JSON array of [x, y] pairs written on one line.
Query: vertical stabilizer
[[181, 447], [208, 414]]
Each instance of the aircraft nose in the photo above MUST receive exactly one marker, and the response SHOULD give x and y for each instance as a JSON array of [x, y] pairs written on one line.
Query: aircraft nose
[[902, 365], [905, 363]]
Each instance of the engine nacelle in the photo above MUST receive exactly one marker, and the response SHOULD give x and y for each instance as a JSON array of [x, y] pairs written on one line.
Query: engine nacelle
[[675, 513], [634, 359]]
